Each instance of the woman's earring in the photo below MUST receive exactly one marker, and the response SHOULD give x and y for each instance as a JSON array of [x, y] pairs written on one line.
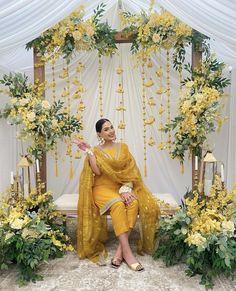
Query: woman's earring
[[100, 140]]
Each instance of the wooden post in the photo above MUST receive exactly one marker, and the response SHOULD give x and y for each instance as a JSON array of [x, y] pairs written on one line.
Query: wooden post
[[39, 74], [196, 63]]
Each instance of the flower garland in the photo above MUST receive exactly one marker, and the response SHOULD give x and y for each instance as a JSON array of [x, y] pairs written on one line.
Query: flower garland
[[41, 122], [75, 34], [199, 108], [157, 31], [203, 233]]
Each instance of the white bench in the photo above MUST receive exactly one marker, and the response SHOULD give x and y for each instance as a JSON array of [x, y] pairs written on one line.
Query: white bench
[[67, 203]]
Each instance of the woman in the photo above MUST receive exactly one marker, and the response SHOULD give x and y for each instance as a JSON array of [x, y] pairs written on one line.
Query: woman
[[111, 183]]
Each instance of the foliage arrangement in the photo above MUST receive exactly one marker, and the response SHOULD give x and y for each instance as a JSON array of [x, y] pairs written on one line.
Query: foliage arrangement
[[31, 232], [199, 107], [155, 31], [74, 33], [201, 235], [41, 122]]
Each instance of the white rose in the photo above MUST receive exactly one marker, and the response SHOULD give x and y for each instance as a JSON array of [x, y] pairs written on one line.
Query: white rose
[[228, 226], [17, 223], [24, 101], [14, 100], [54, 123], [156, 38], [31, 116], [45, 104]]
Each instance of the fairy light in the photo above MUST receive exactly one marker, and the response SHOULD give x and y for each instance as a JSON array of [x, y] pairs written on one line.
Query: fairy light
[[100, 85]]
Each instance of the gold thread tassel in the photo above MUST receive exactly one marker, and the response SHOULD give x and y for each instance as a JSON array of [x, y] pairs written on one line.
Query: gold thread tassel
[[145, 169], [182, 167], [56, 169], [71, 170]]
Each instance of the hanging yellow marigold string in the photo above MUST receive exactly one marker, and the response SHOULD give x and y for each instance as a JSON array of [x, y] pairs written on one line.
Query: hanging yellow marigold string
[[100, 84], [53, 85], [160, 91], [168, 98], [121, 107], [144, 117]]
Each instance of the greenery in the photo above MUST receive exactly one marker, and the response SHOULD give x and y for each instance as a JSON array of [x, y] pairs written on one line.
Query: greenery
[[31, 232], [41, 122], [74, 33], [201, 235], [199, 107], [155, 31]]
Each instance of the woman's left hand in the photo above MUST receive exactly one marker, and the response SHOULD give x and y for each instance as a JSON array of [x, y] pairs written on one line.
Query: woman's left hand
[[128, 197]]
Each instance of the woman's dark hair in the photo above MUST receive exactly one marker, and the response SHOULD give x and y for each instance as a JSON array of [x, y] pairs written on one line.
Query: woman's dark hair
[[100, 123]]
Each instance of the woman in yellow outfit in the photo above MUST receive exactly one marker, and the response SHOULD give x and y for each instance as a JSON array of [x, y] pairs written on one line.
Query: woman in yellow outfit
[[111, 183]]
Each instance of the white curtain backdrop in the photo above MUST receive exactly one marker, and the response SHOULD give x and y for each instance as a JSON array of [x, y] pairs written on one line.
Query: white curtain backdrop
[[22, 21]]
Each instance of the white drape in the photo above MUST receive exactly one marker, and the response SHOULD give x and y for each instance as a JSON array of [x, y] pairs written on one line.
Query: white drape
[[21, 21]]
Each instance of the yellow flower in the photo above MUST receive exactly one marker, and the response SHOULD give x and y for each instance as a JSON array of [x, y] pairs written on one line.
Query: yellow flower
[[54, 123], [56, 242], [24, 101], [45, 104], [77, 35], [195, 239], [31, 116], [13, 100], [156, 37]]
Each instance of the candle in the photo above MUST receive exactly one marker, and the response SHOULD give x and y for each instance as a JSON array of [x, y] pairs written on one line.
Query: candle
[[196, 163], [222, 173], [12, 178], [37, 166]]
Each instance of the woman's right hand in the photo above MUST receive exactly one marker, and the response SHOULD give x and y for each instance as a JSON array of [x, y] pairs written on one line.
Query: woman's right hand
[[81, 144]]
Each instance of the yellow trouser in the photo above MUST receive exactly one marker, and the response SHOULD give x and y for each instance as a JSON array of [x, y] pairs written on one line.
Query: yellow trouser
[[123, 216]]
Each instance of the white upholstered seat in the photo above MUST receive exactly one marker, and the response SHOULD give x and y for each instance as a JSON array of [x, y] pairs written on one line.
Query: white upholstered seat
[[67, 203]]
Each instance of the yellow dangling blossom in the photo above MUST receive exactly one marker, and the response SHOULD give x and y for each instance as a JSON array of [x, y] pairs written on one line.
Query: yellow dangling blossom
[[150, 120], [149, 83]]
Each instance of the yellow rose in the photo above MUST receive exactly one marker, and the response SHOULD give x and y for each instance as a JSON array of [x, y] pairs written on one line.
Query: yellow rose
[[77, 35], [45, 104], [156, 38], [31, 116], [54, 123]]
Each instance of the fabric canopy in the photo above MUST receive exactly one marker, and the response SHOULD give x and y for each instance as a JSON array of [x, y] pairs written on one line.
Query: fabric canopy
[[22, 21]]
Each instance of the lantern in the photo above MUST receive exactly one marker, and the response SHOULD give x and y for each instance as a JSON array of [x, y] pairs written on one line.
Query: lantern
[[25, 163], [210, 168]]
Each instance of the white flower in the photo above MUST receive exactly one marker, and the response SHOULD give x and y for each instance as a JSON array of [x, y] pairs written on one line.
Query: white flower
[[14, 100], [189, 84], [228, 226], [24, 101], [17, 223], [45, 104], [31, 116], [9, 235]]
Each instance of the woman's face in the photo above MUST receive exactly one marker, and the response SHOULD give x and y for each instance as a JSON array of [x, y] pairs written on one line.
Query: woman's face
[[107, 132]]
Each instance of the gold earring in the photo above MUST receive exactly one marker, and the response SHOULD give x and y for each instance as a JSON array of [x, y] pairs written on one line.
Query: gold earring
[[100, 140]]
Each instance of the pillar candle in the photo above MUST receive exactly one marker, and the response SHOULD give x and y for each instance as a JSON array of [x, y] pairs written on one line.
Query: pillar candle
[[222, 173], [196, 163], [12, 178], [37, 166]]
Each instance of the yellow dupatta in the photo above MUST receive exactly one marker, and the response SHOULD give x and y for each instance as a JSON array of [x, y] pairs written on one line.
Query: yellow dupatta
[[91, 232]]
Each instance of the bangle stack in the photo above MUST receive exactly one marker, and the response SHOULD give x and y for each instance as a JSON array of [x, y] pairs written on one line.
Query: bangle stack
[[125, 189], [89, 152]]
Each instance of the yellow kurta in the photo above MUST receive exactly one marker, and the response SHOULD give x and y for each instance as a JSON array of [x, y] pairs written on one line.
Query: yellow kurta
[[91, 232]]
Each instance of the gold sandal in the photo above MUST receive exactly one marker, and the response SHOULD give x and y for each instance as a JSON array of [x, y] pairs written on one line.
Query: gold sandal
[[116, 262], [136, 267]]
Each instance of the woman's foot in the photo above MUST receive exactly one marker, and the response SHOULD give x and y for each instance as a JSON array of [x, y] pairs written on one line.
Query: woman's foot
[[116, 262]]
